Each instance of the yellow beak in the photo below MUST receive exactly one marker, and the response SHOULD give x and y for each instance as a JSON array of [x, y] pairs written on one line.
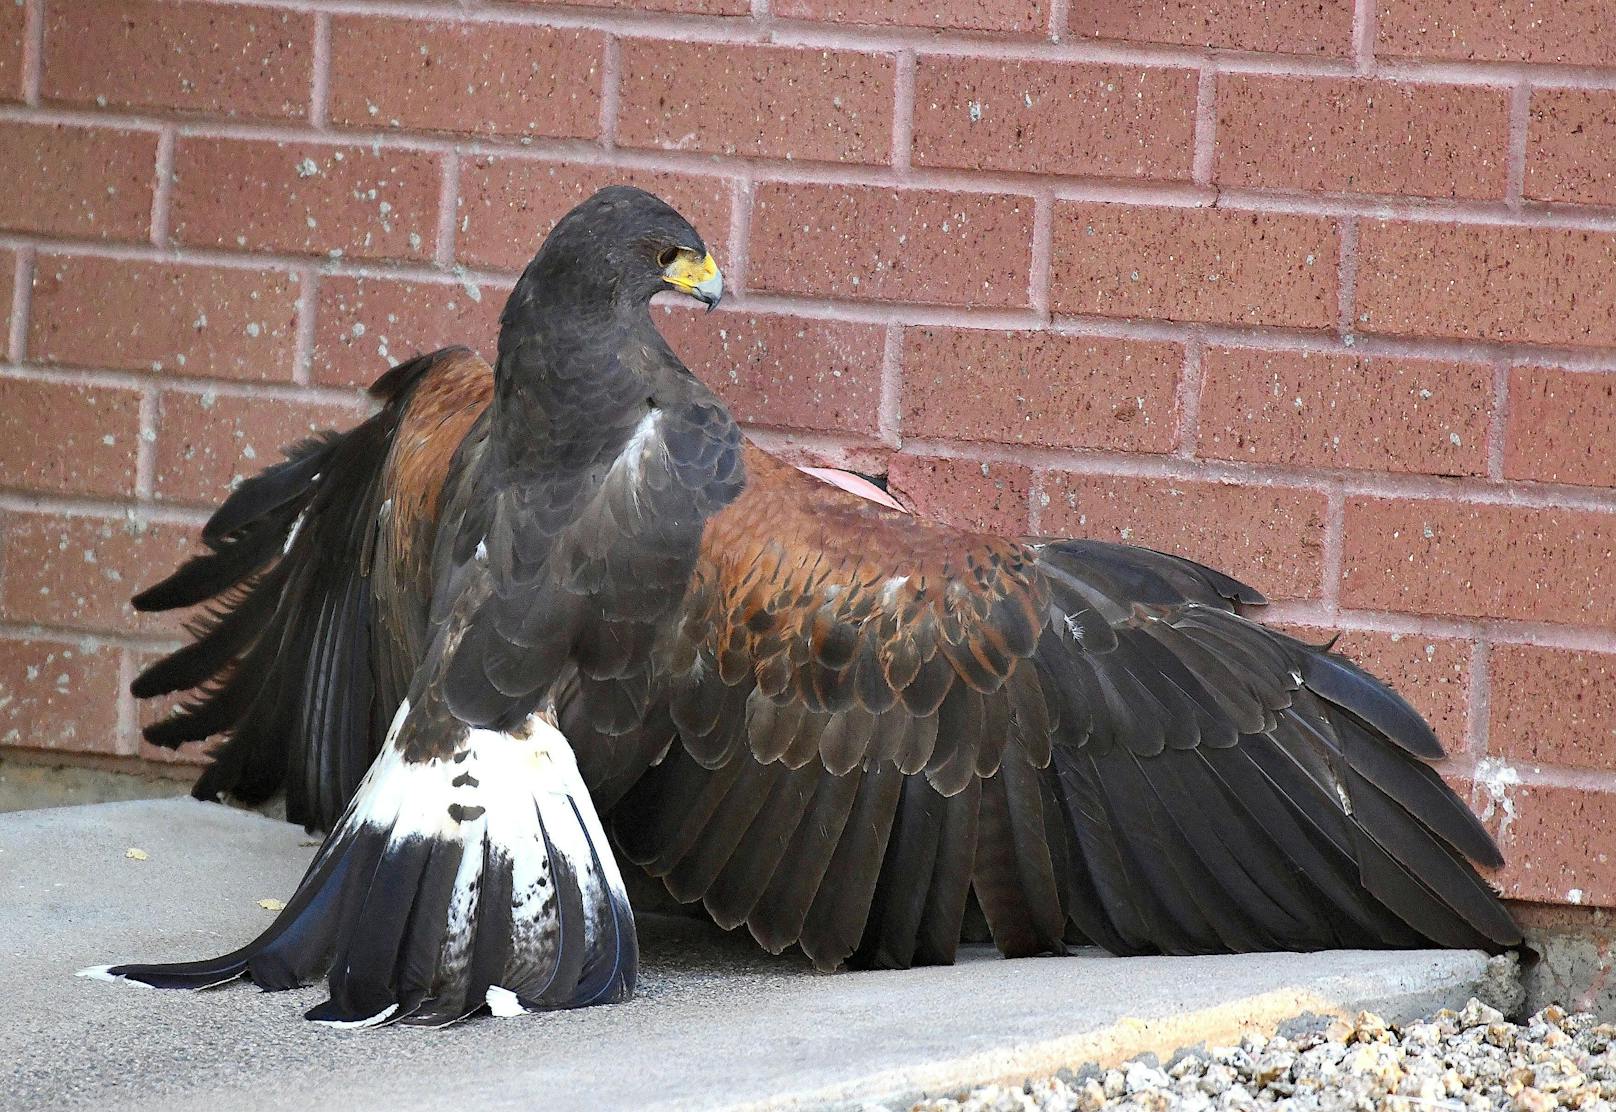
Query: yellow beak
[[701, 279]]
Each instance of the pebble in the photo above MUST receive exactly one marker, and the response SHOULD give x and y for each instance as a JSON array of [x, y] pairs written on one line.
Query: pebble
[[1472, 1060]]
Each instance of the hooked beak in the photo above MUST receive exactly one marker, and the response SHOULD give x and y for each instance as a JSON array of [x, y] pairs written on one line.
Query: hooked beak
[[700, 278]]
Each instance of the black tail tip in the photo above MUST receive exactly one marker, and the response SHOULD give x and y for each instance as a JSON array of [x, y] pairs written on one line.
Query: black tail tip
[[186, 975]]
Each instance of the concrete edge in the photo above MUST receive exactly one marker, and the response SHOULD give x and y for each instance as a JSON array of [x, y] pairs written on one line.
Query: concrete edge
[[1428, 985]]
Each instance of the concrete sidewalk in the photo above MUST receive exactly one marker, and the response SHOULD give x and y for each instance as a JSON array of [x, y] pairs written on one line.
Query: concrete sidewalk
[[716, 1024]]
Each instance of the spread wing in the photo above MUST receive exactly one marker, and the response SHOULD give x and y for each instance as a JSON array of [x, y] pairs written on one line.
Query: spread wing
[[882, 718], [316, 575]]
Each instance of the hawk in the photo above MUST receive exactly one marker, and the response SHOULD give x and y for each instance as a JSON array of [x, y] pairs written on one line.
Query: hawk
[[532, 618]]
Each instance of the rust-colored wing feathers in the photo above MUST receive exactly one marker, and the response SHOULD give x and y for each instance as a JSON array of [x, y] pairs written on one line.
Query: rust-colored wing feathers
[[857, 634], [441, 410], [851, 685], [438, 409]]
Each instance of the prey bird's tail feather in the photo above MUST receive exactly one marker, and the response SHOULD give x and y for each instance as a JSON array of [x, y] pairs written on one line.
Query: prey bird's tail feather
[[476, 878]]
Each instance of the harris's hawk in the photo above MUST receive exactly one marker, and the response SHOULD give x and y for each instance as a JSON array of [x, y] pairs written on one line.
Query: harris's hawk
[[525, 599]]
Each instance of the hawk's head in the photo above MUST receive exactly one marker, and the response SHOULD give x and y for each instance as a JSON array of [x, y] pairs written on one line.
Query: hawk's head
[[627, 245]]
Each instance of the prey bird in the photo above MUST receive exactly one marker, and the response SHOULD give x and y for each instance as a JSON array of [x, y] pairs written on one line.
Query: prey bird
[[531, 619]]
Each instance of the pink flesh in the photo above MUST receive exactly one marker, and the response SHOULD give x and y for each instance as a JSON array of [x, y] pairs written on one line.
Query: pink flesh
[[854, 484]]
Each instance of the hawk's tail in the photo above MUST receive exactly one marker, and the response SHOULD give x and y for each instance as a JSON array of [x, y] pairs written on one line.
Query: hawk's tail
[[454, 882]]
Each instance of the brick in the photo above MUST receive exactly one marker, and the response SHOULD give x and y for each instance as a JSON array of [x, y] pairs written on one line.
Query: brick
[[197, 753], [87, 182], [68, 438], [1039, 388], [986, 497], [207, 443], [1480, 561], [508, 204], [1350, 136], [1269, 536], [492, 79], [1279, 26], [1545, 833], [1021, 17], [191, 57], [1315, 410], [1486, 282], [13, 28], [79, 572], [873, 243], [1210, 265], [1432, 673], [8, 288], [306, 198], [1571, 146], [1054, 118], [1575, 32], [1562, 425], [55, 695], [784, 372], [759, 101], [221, 322], [1553, 706], [693, 7], [363, 326]]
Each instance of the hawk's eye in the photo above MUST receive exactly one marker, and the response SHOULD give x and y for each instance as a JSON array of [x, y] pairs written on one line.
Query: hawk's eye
[[667, 257]]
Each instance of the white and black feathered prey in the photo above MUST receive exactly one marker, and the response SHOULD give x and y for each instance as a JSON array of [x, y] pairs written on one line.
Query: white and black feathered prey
[[563, 587]]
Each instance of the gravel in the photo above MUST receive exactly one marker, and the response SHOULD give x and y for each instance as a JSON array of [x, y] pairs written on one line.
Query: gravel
[[1470, 1059]]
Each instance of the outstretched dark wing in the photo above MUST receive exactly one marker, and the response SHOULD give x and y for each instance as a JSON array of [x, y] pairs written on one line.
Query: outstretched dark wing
[[316, 573], [881, 716]]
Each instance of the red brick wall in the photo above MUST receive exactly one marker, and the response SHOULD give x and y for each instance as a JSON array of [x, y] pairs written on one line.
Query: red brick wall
[[1322, 292]]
